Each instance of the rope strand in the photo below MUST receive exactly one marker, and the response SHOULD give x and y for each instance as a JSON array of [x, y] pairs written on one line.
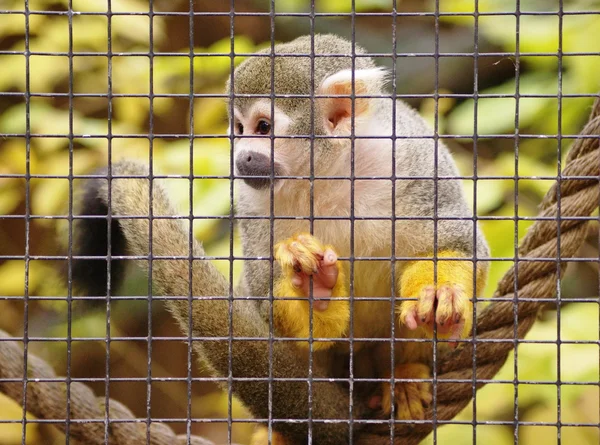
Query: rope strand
[[47, 399]]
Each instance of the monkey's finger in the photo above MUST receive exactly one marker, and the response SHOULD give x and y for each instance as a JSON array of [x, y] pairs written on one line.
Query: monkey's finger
[[403, 409], [328, 272], [284, 256], [303, 257], [408, 315], [294, 257], [386, 399], [457, 331], [297, 280], [425, 393], [445, 307], [426, 304], [463, 307], [311, 243], [461, 316], [415, 405], [329, 258], [318, 291]]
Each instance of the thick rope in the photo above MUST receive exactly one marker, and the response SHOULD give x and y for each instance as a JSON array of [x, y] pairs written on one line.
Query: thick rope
[[47, 399], [540, 262], [498, 328]]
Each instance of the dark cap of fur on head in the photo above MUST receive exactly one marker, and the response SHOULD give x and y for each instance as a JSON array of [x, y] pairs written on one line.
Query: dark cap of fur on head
[[292, 74]]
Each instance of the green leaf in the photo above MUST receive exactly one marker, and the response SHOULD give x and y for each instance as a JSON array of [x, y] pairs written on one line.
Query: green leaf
[[497, 115], [489, 195], [345, 6], [221, 65]]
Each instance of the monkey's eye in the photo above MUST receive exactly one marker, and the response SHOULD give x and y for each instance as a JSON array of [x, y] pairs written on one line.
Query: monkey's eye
[[263, 127], [240, 128]]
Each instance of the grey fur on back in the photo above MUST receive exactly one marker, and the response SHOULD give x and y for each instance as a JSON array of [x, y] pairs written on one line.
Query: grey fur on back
[[442, 197]]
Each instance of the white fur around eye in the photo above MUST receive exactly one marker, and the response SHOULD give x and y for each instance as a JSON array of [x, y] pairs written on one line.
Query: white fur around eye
[[262, 110]]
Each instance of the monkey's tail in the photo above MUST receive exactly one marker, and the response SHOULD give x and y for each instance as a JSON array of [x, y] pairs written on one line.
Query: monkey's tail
[[93, 238], [126, 231], [119, 208]]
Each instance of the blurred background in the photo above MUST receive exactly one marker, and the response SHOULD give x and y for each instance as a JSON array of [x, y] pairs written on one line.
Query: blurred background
[[496, 74]]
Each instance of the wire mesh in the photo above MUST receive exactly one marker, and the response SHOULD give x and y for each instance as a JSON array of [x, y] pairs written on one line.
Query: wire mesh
[[507, 87]]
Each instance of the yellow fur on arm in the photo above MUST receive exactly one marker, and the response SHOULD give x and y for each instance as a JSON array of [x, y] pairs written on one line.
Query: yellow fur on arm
[[291, 311]]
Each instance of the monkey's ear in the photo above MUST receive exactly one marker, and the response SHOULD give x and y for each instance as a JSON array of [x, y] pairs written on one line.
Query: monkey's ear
[[337, 111]]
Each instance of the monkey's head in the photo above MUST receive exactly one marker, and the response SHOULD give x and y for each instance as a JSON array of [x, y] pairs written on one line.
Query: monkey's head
[[278, 107]]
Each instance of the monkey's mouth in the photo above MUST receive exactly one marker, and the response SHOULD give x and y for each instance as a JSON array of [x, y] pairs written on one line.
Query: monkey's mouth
[[256, 169]]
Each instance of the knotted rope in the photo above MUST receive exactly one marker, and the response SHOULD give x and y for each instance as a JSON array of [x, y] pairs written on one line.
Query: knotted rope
[[553, 239]]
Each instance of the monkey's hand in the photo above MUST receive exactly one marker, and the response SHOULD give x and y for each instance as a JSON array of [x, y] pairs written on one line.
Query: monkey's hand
[[303, 257], [446, 300], [410, 398]]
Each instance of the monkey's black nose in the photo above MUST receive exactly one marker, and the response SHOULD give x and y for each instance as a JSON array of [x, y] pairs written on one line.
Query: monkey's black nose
[[255, 164]]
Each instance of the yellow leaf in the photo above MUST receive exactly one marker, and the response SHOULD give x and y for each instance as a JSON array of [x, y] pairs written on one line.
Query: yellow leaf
[[12, 433], [49, 197], [12, 278], [12, 73], [13, 157], [209, 115], [10, 198]]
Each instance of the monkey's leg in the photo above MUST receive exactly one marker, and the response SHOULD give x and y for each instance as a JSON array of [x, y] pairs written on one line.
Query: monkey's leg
[[303, 257], [410, 398], [443, 296]]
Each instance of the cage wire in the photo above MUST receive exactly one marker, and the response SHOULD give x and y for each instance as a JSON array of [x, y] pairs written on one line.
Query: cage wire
[[87, 84]]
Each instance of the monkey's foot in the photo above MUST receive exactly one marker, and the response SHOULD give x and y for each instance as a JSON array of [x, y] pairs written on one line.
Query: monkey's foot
[[303, 256], [445, 301], [261, 437], [410, 398]]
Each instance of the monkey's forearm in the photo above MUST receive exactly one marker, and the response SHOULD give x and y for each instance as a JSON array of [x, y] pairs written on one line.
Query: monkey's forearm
[[211, 308]]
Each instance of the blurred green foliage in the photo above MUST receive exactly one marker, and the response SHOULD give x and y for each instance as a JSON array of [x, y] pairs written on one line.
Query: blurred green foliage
[[159, 129]]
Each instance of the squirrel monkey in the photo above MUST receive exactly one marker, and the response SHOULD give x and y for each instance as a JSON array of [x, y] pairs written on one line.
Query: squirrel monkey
[[306, 132], [426, 294]]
